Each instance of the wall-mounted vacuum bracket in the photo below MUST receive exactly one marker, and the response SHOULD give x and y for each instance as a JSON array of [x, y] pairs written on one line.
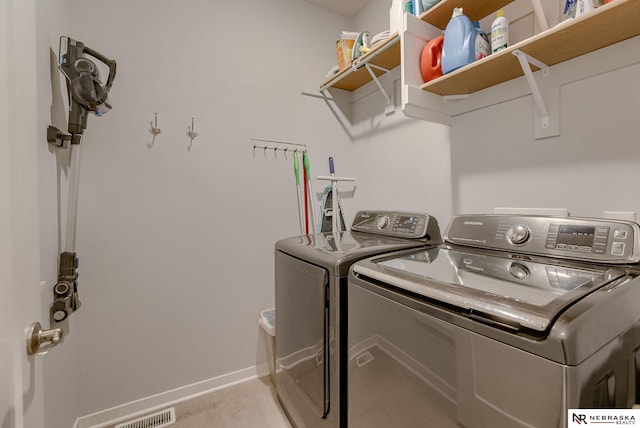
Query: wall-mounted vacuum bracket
[[57, 138]]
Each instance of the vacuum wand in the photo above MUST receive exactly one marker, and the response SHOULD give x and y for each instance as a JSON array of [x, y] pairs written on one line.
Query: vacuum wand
[[65, 292]]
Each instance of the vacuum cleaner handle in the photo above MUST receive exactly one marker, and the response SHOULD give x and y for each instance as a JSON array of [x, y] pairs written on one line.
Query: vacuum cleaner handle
[[108, 62]]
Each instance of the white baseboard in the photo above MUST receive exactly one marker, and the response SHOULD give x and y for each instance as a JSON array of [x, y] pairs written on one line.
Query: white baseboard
[[157, 402]]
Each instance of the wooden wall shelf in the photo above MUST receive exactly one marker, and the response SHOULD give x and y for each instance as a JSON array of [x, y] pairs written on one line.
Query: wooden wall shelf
[[385, 54], [608, 24], [440, 14]]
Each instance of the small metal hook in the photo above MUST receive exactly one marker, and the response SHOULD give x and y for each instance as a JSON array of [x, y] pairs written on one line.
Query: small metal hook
[[275, 152], [154, 130], [285, 152], [191, 134]]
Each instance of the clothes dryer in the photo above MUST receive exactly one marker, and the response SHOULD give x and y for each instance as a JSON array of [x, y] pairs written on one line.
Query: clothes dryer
[[310, 279]]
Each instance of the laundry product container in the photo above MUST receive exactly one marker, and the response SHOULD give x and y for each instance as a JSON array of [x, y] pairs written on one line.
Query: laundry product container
[[267, 321]]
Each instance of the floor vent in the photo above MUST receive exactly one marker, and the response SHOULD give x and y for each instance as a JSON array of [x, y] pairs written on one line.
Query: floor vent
[[362, 359], [157, 420]]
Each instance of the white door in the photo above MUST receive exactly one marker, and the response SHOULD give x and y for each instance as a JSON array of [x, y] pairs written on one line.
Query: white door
[[21, 403]]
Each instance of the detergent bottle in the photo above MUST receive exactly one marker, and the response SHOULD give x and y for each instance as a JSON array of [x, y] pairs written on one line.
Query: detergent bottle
[[459, 48], [482, 46], [499, 32], [431, 59]]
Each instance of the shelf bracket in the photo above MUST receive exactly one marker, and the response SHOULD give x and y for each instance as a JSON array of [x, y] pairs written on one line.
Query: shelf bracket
[[390, 108], [525, 60], [539, 13]]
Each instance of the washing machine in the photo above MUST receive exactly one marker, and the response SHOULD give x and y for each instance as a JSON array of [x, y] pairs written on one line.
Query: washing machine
[[310, 280], [511, 322]]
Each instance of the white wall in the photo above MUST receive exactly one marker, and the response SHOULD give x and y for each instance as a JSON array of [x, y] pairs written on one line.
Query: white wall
[[591, 167], [176, 246], [399, 163]]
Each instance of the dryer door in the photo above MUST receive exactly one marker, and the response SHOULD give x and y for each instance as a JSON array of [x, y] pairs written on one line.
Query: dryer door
[[302, 360]]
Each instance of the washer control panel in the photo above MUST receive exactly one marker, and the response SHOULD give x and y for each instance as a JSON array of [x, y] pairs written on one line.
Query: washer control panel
[[398, 224], [600, 240]]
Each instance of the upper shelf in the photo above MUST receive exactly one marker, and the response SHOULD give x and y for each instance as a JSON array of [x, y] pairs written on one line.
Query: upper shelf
[[440, 14], [385, 54], [608, 24]]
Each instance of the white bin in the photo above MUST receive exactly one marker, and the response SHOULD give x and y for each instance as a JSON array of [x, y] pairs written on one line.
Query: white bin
[[267, 321]]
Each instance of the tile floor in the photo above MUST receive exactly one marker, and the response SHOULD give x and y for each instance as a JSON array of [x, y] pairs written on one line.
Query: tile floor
[[246, 405]]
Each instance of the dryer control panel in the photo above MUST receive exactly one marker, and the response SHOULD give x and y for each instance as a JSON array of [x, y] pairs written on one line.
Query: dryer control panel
[[589, 239], [398, 224]]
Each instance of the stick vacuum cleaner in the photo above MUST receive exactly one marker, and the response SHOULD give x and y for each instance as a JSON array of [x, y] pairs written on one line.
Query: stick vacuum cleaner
[[87, 94]]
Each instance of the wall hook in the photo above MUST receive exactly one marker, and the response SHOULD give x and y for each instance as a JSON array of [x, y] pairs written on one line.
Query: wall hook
[[191, 134], [154, 130]]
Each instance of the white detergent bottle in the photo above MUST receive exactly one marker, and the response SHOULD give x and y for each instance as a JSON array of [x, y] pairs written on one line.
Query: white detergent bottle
[[499, 32]]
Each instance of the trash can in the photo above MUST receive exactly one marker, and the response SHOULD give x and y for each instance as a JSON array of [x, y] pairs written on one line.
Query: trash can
[[267, 321]]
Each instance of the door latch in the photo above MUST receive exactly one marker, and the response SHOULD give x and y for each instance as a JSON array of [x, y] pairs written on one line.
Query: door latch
[[40, 341]]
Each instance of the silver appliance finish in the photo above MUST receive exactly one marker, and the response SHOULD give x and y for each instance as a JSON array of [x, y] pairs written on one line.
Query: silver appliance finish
[[510, 322], [311, 278]]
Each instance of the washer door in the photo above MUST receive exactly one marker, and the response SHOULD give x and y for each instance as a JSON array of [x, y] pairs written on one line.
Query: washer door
[[302, 364]]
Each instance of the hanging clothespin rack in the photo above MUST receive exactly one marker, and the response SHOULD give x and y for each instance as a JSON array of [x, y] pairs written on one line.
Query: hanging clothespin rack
[[276, 146]]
